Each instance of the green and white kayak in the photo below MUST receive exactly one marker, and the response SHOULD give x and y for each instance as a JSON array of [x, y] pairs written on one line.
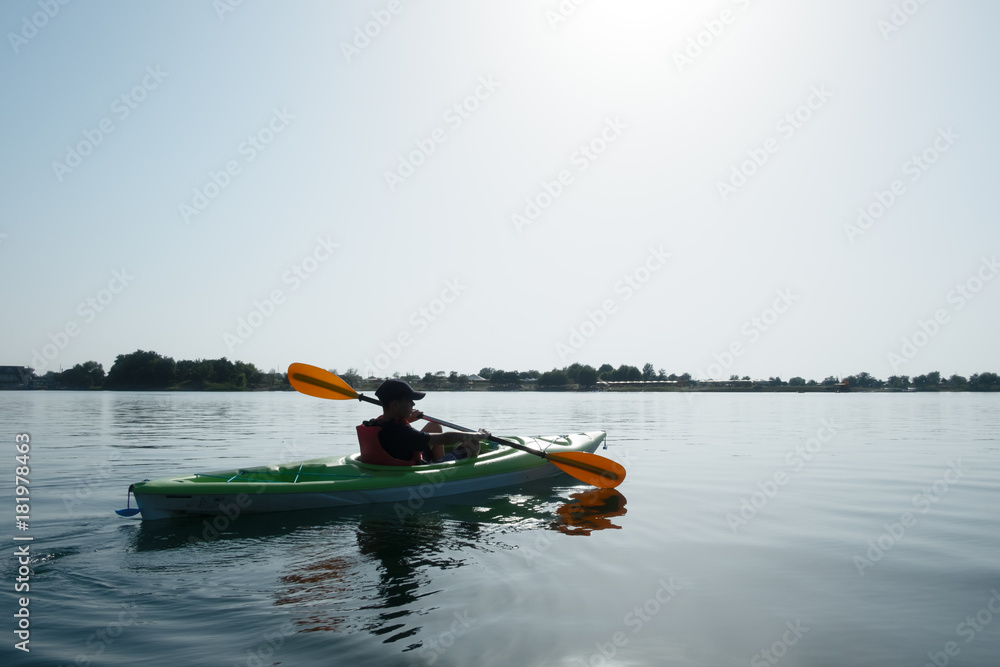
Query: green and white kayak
[[345, 480]]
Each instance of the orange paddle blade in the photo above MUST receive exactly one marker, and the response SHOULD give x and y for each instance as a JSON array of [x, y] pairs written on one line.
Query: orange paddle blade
[[317, 382], [590, 468]]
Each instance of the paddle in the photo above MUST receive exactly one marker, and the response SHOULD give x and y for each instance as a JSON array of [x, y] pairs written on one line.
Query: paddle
[[129, 510], [586, 467]]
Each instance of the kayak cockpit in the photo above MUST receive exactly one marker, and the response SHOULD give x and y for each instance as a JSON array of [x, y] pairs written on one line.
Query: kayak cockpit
[[291, 473]]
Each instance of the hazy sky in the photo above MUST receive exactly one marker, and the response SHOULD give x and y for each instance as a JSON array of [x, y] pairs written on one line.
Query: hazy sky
[[734, 187]]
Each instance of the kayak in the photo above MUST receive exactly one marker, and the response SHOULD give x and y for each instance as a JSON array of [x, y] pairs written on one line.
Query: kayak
[[345, 480]]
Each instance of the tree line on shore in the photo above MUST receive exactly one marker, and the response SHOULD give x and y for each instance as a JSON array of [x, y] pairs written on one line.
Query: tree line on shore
[[149, 370], [584, 376], [146, 370]]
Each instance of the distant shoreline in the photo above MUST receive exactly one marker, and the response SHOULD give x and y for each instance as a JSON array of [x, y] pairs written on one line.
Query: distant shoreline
[[144, 370], [370, 388]]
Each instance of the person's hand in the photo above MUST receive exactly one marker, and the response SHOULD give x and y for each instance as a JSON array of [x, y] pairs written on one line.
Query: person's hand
[[415, 415]]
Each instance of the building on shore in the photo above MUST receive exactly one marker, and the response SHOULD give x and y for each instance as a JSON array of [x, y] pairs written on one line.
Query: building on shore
[[15, 377], [639, 384]]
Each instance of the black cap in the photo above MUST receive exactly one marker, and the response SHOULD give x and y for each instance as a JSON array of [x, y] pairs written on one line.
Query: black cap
[[390, 390]]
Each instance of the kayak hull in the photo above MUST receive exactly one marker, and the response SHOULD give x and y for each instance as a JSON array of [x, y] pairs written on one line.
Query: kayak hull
[[345, 481]]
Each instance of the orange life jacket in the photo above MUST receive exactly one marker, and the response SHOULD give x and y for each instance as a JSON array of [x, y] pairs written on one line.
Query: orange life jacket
[[372, 452]]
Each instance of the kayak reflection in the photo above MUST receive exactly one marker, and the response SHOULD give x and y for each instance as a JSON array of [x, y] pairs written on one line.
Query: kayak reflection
[[592, 510], [378, 582], [390, 589], [376, 569], [383, 584]]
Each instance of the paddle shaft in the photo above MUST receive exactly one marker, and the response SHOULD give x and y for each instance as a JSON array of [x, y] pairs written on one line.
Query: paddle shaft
[[508, 443]]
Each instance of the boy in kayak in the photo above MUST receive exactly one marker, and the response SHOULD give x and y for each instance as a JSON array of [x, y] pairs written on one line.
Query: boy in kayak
[[403, 442]]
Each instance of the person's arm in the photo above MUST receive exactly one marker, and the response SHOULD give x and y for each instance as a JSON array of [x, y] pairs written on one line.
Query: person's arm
[[451, 437], [439, 440]]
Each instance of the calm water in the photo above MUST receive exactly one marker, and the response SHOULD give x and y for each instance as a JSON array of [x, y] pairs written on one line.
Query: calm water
[[789, 529]]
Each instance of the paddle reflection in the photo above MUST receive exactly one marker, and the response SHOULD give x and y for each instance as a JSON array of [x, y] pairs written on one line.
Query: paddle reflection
[[591, 510]]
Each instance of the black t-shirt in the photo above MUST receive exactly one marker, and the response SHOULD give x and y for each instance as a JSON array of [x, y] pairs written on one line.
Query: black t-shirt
[[400, 440]]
